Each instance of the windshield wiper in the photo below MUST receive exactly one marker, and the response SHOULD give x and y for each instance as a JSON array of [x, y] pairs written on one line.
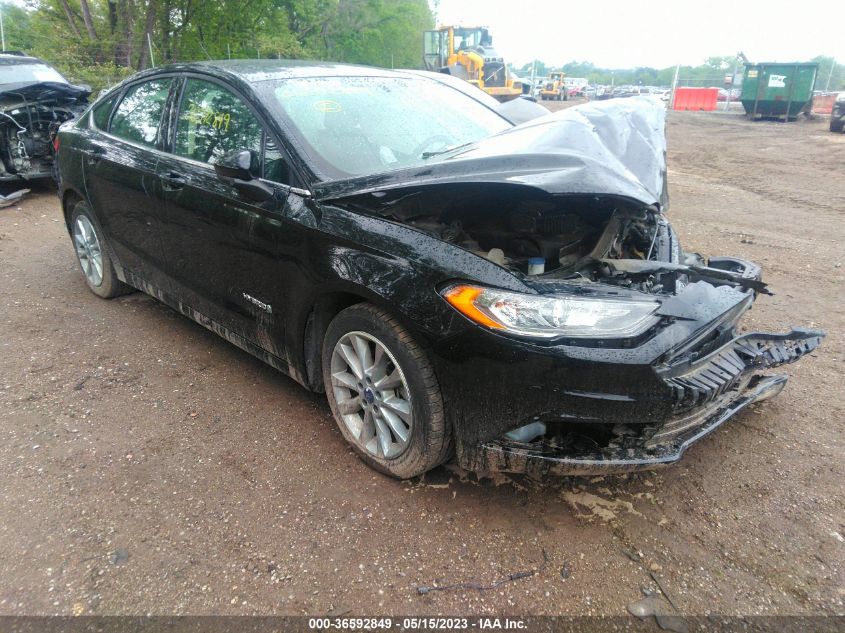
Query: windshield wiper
[[425, 155]]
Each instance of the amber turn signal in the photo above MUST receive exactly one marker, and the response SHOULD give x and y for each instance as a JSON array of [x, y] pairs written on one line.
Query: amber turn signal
[[462, 298]]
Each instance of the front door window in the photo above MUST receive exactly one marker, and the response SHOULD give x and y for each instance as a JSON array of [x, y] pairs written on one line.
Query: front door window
[[213, 122]]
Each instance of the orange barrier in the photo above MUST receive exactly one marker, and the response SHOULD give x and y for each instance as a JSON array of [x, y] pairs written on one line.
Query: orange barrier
[[695, 99], [823, 104]]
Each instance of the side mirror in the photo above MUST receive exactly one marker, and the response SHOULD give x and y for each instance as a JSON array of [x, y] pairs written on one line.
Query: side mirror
[[255, 190], [235, 164], [235, 168]]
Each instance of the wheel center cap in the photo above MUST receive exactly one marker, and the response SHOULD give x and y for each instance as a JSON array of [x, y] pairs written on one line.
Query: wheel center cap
[[369, 396]]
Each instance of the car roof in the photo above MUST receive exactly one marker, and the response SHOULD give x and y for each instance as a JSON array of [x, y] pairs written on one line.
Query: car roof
[[251, 70]]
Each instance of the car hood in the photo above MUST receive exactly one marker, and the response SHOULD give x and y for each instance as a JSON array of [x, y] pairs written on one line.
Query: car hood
[[42, 91], [607, 148]]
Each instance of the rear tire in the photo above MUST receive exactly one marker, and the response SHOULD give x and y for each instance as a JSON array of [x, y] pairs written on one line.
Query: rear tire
[[836, 126], [92, 254], [374, 419]]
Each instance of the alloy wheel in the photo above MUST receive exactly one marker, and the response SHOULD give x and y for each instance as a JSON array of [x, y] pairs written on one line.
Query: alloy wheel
[[88, 250], [371, 395]]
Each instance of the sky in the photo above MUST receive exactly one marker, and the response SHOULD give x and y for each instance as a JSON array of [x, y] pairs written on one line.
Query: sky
[[657, 33]]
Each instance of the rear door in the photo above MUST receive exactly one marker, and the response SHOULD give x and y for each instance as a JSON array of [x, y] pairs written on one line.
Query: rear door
[[218, 243], [119, 163]]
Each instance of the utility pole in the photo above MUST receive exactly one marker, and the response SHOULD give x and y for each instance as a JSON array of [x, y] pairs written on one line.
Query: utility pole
[[731, 87], [3, 34], [674, 86], [150, 45], [826, 88]]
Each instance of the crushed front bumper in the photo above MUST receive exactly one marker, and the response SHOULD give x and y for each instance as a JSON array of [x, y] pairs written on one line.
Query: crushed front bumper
[[706, 391]]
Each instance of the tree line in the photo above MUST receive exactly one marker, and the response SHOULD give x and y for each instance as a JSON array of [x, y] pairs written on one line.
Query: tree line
[[101, 41], [711, 73]]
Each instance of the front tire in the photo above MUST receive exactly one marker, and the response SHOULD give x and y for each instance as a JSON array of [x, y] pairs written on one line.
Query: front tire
[[836, 126], [92, 254], [383, 393]]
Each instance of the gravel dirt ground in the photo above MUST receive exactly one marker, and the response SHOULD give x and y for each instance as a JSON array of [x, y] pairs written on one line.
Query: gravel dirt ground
[[147, 466]]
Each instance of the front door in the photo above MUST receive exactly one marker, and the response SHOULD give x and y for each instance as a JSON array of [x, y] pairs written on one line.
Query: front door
[[217, 242]]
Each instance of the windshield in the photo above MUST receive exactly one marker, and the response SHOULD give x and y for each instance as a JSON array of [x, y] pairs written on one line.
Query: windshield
[[29, 73], [352, 126], [467, 38]]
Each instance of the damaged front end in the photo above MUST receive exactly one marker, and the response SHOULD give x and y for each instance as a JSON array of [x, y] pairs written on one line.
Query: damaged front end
[[621, 349], [701, 394], [30, 115], [624, 400]]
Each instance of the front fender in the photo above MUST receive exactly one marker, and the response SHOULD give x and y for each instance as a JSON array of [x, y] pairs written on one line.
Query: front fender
[[353, 257], [401, 268]]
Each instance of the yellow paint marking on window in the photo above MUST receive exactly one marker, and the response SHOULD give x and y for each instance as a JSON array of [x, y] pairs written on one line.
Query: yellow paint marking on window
[[200, 115], [327, 106]]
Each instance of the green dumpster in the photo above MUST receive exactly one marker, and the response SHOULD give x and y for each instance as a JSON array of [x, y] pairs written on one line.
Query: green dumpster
[[777, 90]]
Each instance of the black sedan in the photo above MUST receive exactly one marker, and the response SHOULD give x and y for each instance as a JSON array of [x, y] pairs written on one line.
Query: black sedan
[[455, 284]]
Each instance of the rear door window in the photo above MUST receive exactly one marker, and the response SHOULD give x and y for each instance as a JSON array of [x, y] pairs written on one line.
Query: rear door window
[[101, 113], [138, 117]]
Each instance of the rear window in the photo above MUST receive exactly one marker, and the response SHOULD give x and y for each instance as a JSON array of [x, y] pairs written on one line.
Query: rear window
[[138, 116], [350, 126]]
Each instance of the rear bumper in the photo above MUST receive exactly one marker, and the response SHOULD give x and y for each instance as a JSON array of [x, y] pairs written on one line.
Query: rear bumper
[[706, 392]]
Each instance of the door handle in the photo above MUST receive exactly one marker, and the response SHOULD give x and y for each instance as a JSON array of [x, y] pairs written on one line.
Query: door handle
[[171, 181]]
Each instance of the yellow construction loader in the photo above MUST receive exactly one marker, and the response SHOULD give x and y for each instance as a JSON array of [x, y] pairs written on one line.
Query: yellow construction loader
[[467, 52], [554, 88]]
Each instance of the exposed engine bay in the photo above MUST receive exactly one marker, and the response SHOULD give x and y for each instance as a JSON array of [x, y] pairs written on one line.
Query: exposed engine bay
[[580, 238], [29, 118]]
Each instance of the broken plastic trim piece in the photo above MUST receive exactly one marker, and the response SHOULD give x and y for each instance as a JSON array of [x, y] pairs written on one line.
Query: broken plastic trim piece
[[527, 433], [12, 198], [770, 388], [705, 273]]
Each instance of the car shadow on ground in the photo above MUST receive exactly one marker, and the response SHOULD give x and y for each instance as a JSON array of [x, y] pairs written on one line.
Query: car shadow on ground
[[41, 186]]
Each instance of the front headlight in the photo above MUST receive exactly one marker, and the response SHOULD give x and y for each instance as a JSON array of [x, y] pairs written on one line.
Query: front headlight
[[545, 316]]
